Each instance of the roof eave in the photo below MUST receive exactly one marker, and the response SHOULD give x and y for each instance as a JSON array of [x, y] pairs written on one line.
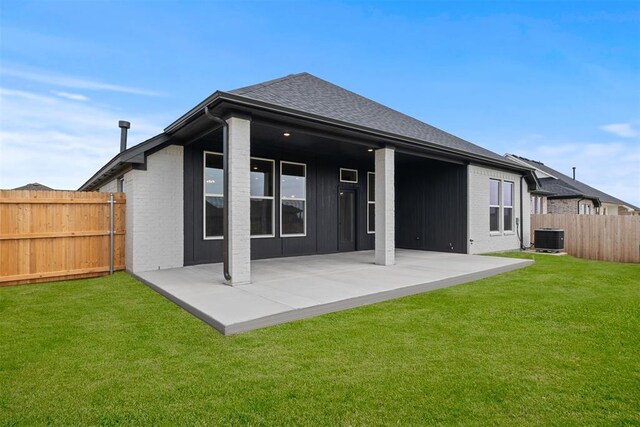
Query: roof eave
[[239, 100], [123, 160]]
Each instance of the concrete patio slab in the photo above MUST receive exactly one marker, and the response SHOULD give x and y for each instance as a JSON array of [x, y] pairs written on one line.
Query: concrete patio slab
[[286, 289]]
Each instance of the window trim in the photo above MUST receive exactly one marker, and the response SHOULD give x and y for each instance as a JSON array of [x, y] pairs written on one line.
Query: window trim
[[272, 198], [205, 194], [504, 206], [369, 203], [499, 206], [281, 198], [350, 170]]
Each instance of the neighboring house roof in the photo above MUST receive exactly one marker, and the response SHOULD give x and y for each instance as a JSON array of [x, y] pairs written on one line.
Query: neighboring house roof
[[34, 186], [564, 186], [306, 97]]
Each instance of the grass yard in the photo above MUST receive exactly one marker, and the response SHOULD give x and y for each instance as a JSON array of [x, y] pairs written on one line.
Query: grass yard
[[555, 343]]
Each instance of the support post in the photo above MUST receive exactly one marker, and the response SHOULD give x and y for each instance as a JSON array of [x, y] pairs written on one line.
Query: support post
[[238, 203], [111, 233], [385, 241]]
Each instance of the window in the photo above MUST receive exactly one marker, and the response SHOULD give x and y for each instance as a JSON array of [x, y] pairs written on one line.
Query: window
[[293, 199], [507, 201], [494, 205], [540, 205], [537, 205], [371, 202], [349, 175], [262, 207], [213, 195]]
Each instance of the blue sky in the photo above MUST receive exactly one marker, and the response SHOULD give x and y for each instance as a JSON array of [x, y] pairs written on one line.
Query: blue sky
[[554, 81]]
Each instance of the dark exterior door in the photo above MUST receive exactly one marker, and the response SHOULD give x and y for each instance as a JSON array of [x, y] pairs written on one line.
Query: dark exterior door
[[346, 220]]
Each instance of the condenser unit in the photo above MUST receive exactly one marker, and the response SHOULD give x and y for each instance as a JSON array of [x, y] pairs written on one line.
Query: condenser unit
[[549, 239]]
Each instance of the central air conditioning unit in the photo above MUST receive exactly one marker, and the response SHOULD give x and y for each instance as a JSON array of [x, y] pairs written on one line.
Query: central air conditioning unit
[[549, 239]]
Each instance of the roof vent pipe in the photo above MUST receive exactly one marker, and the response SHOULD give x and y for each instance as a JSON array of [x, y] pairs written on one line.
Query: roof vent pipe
[[124, 126], [574, 173]]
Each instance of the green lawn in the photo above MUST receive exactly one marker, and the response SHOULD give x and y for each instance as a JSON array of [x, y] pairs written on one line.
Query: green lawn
[[555, 343]]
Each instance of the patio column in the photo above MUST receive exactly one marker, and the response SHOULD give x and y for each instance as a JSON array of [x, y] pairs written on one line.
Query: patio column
[[239, 205], [385, 242]]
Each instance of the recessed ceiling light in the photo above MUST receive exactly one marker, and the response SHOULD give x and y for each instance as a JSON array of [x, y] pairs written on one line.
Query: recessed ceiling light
[[286, 134]]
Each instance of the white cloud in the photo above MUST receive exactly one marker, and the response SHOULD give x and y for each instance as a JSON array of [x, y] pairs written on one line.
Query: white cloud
[[71, 81], [610, 167], [57, 141], [623, 130], [72, 96]]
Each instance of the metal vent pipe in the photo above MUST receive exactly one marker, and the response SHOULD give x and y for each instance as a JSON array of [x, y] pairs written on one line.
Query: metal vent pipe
[[123, 125]]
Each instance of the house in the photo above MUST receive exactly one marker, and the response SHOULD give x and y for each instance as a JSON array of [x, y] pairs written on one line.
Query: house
[[561, 194], [34, 187], [300, 166]]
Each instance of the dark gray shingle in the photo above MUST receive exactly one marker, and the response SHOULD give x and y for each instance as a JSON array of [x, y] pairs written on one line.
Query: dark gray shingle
[[580, 187], [307, 93]]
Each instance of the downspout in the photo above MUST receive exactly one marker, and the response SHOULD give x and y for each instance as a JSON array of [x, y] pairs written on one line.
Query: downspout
[[225, 189], [522, 248]]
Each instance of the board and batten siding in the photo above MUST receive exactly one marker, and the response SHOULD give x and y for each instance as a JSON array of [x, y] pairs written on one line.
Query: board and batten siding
[[480, 239], [431, 206], [154, 213], [321, 203]]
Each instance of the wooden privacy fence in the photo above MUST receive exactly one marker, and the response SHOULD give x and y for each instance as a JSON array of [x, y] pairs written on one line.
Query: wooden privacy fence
[[603, 237], [55, 235]]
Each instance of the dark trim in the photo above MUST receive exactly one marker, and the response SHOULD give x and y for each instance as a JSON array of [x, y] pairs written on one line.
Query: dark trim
[[135, 156], [219, 97]]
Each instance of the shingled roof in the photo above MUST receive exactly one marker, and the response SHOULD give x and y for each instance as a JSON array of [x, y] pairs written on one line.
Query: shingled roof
[[567, 186], [34, 186], [310, 94]]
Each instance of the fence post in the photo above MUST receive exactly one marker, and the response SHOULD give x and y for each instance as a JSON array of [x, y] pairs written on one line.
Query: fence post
[[111, 232]]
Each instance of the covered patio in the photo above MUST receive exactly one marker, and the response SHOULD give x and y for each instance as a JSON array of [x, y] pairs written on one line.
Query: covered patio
[[292, 288]]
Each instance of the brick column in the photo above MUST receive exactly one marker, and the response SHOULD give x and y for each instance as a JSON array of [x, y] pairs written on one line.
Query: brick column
[[385, 243], [239, 200]]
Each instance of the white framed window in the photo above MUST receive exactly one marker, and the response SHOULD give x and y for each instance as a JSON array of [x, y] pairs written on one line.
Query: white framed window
[[540, 205], [494, 205], [262, 197], [213, 196], [507, 205], [349, 175], [537, 205], [371, 202], [293, 199]]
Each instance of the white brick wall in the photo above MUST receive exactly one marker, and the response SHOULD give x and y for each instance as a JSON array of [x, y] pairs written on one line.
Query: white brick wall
[[385, 240], [154, 215], [109, 187], [239, 200], [478, 212]]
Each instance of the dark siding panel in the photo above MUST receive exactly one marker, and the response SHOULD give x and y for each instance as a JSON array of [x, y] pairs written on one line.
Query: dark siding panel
[[431, 206], [322, 204], [198, 250]]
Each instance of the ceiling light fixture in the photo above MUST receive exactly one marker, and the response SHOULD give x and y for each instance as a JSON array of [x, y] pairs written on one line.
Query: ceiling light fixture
[[370, 150], [286, 134]]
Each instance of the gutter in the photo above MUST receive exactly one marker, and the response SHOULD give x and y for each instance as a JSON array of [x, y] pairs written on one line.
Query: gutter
[[225, 189], [132, 156]]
